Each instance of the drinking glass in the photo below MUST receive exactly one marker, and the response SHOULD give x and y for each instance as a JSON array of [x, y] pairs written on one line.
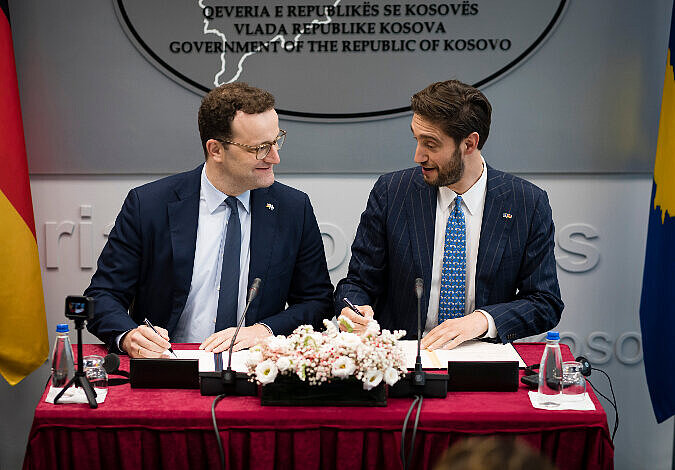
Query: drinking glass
[[93, 369], [574, 383]]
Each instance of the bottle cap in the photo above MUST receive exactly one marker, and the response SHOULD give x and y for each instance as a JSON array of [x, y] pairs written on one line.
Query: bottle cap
[[553, 335], [62, 328]]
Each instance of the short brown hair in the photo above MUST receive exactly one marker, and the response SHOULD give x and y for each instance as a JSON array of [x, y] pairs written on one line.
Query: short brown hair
[[459, 109], [492, 453], [220, 105]]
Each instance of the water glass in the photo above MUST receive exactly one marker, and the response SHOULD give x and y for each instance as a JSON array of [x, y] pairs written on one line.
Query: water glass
[[574, 383], [93, 369]]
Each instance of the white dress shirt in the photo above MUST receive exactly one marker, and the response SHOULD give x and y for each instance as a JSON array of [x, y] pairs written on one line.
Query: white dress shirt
[[198, 320], [473, 202]]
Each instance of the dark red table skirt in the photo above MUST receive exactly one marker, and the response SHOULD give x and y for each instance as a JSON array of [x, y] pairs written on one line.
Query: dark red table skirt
[[172, 429]]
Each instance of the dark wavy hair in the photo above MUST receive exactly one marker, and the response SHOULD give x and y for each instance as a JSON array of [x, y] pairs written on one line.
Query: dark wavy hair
[[220, 105], [459, 109]]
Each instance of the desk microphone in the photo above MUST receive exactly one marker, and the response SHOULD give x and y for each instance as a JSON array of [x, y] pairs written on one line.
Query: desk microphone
[[417, 382], [228, 381], [111, 364], [418, 375], [252, 292]]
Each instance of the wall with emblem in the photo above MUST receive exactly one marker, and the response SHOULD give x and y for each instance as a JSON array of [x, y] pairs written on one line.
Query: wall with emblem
[[122, 79]]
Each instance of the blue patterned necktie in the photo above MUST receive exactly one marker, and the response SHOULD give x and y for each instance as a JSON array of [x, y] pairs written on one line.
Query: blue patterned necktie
[[453, 275], [228, 298]]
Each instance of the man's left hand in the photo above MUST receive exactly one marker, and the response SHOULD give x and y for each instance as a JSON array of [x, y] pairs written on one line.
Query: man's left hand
[[453, 332], [248, 337]]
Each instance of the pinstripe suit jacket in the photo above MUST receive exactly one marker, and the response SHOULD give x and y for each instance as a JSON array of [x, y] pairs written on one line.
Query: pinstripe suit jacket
[[516, 280]]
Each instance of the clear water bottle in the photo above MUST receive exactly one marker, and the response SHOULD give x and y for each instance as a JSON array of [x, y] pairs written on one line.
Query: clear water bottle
[[550, 372], [63, 367]]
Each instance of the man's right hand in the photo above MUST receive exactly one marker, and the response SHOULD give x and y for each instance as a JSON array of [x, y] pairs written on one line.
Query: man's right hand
[[143, 342], [360, 322]]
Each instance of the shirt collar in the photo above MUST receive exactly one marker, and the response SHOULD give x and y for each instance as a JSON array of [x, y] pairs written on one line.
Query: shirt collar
[[473, 197], [215, 198]]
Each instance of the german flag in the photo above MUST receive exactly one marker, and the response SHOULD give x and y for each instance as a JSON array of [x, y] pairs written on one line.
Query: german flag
[[23, 325], [657, 306]]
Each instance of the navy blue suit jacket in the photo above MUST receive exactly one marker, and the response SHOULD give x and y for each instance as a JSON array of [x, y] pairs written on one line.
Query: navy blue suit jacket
[[146, 266], [516, 280]]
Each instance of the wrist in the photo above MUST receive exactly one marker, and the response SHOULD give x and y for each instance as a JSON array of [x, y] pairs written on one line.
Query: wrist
[[490, 330], [121, 341], [265, 330]]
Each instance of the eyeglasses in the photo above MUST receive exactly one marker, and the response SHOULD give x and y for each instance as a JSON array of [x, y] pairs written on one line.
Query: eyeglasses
[[262, 150]]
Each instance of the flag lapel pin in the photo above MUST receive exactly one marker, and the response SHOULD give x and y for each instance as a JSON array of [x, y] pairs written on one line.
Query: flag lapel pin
[[506, 215], [269, 206]]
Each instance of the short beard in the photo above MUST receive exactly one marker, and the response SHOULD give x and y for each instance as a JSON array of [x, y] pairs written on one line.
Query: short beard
[[451, 173]]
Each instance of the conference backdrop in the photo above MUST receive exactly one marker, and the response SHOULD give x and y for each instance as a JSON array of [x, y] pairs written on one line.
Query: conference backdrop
[[110, 91]]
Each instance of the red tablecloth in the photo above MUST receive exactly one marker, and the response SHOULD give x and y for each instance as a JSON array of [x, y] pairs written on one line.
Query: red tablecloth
[[172, 429]]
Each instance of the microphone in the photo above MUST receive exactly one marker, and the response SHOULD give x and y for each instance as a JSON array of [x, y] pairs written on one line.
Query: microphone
[[418, 375], [419, 288], [228, 381], [417, 382], [111, 364], [252, 293]]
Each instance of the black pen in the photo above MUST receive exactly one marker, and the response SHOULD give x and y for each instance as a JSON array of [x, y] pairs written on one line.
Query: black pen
[[351, 305], [147, 322]]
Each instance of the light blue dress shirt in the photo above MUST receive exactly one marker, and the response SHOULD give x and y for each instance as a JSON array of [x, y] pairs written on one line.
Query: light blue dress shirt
[[198, 320], [474, 202]]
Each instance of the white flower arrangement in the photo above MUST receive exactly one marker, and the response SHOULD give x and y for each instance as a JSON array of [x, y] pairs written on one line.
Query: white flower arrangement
[[318, 357]]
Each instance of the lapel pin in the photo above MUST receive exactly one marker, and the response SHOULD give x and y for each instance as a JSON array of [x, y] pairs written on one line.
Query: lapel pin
[[269, 206], [506, 215]]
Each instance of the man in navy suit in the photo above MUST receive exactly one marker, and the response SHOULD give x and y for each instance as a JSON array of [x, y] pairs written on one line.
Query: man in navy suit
[[185, 249], [480, 239]]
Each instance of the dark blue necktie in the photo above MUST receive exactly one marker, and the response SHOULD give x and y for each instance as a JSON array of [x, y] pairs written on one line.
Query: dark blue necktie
[[453, 275], [228, 299]]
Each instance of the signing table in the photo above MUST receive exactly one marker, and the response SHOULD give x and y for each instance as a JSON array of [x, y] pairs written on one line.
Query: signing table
[[172, 429]]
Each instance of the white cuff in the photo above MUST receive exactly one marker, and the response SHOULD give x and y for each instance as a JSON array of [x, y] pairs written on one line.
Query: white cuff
[[118, 341], [492, 329]]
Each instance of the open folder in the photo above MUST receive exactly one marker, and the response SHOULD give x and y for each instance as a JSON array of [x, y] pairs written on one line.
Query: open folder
[[207, 362], [469, 351]]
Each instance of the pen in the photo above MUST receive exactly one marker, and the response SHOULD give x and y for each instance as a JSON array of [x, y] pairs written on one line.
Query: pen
[[147, 322], [351, 305]]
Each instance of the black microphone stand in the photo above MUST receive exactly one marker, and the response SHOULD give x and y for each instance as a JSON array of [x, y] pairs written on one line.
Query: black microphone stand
[[80, 378], [228, 381], [417, 382]]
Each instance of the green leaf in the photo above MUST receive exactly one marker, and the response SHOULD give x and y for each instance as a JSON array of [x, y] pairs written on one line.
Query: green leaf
[[346, 325]]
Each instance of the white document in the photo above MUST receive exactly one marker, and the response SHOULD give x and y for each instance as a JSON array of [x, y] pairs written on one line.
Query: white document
[[75, 395], [207, 362], [567, 402], [468, 351]]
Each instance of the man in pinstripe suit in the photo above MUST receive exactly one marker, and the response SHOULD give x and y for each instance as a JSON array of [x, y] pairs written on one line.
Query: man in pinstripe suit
[[507, 287]]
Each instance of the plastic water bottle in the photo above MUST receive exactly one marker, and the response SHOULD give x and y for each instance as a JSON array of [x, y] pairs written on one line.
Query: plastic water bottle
[[550, 372], [63, 367]]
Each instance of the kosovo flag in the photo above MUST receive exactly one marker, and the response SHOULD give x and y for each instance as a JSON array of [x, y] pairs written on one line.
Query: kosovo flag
[[23, 326], [657, 307]]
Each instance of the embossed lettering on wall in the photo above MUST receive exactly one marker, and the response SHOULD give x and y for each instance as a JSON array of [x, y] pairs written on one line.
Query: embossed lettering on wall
[[600, 346], [335, 245], [55, 232], [574, 240], [580, 255]]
